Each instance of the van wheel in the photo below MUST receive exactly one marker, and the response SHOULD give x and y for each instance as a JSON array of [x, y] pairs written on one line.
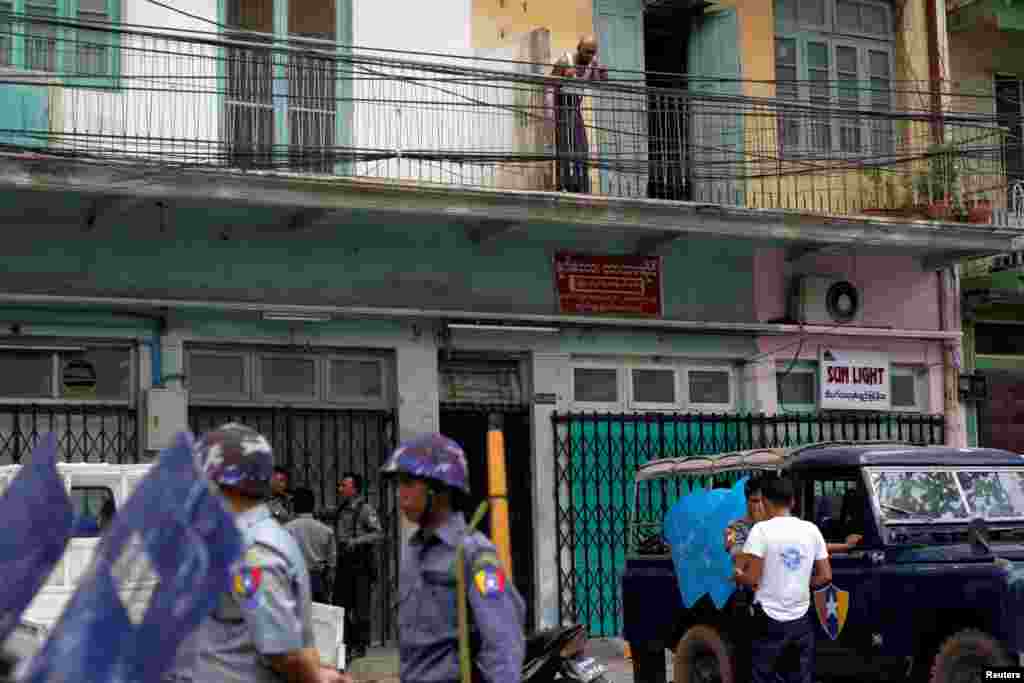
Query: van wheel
[[704, 656], [963, 657]]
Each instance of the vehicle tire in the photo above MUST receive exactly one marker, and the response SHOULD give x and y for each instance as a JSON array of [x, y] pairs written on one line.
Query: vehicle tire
[[963, 656], [704, 655]]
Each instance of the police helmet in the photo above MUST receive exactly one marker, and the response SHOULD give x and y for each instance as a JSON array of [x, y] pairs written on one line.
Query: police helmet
[[237, 456], [433, 457]]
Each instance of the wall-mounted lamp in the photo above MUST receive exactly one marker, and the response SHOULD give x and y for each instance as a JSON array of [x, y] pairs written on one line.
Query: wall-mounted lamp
[[297, 317], [33, 347], [503, 328], [973, 387]]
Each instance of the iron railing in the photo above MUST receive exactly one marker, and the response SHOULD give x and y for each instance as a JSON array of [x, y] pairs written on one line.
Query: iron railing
[[85, 432], [242, 101], [318, 446], [596, 457]]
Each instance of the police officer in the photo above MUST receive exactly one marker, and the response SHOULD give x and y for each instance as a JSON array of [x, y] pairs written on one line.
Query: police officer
[[281, 504], [262, 629], [432, 485], [358, 531]]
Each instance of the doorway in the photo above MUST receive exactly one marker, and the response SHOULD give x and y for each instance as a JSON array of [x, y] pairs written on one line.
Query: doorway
[[666, 36], [1001, 417], [468, 425]]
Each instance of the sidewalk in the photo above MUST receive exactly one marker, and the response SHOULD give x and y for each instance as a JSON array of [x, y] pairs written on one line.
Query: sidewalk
[[381, 663]]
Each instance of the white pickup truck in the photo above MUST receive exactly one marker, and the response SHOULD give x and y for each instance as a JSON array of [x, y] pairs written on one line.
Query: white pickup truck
[[97, 491]]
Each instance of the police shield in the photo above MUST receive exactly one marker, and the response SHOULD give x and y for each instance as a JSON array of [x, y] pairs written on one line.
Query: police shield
[[37, 518], [832, 606], [157, 573]]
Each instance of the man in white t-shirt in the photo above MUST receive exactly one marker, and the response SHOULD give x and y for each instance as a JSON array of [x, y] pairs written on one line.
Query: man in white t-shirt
[[787, 555]]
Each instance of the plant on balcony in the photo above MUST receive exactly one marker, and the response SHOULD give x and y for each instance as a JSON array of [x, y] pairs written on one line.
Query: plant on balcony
[[938, 188], [980, 210]]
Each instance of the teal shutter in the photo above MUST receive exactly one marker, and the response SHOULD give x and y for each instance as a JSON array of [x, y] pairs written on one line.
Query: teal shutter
[[24, 108], [716, 138], [344, 139], [621, 117]]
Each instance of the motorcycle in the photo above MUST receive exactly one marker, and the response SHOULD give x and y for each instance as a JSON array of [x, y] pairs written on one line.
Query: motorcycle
[[558, 654]]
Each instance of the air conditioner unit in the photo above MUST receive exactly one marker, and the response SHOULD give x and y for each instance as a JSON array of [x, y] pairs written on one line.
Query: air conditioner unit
[[826, 301]]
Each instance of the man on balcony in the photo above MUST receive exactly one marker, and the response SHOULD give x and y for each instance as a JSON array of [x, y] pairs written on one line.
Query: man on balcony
[[564, 108]]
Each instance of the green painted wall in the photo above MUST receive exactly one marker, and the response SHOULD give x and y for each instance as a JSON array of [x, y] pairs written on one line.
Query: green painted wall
[[62, 322], [358, 263], [214, 326], [970, 365], [1001, 363]]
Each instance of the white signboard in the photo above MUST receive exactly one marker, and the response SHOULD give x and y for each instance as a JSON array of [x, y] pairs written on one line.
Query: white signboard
[[854, 380]]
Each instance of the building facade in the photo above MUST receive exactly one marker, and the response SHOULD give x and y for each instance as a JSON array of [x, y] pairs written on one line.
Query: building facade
[[291, 215]]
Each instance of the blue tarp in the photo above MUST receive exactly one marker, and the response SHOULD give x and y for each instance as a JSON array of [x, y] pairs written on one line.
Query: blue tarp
[[37, 516], [695, 531], [158, 572]]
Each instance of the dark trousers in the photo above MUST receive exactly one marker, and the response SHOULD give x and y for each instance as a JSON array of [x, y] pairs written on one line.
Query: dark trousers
[[781, 651], [319, 583], [353, 589]]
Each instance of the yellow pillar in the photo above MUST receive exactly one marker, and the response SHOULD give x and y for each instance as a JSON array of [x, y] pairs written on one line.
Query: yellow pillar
[[497, 491]]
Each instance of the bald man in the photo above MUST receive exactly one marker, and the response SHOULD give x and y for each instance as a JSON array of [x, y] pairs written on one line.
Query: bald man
[[587, 66], [564, 107]]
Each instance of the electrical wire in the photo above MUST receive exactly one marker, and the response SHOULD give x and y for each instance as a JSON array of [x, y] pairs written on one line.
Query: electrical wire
[[331, 48], [615, 115]]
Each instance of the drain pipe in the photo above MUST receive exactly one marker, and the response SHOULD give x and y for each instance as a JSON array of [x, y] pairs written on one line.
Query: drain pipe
[[497, 491], [155, 346]]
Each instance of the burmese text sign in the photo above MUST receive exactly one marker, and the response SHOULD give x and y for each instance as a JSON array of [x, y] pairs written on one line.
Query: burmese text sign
[[854, 380], [610, 285]]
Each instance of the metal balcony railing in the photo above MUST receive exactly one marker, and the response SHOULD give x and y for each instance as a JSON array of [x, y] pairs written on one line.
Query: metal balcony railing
[[256, 103]]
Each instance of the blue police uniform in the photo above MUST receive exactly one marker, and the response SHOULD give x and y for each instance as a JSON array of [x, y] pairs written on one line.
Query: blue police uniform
[[268, 611], [428, 613]]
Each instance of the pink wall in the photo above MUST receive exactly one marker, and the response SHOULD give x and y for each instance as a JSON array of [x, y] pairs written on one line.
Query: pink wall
[[896, 292], [927, 355]]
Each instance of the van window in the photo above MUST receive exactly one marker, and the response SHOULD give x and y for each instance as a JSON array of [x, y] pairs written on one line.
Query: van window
[[94, 509]]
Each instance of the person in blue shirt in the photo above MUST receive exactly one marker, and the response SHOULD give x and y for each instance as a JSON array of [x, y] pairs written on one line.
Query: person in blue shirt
[[433, 485]]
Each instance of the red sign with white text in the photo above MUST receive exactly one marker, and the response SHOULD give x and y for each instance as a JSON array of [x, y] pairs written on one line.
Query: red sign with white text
[[608, 285]]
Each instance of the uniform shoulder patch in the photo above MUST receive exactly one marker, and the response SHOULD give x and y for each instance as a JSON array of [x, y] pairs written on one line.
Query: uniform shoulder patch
[[252, 573], [488, 576], [246, 584]]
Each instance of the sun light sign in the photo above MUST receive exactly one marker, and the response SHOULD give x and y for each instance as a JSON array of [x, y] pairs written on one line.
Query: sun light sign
[[854, 380]]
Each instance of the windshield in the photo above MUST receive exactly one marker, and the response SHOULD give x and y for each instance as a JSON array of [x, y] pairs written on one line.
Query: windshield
[[948, 495]]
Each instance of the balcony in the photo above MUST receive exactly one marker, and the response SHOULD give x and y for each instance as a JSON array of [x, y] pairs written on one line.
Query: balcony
[[247, 106]]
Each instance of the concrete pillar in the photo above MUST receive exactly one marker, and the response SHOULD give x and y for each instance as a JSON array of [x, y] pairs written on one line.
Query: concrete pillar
[[952, 356], [418, 409], [760, 392], [551, 375]]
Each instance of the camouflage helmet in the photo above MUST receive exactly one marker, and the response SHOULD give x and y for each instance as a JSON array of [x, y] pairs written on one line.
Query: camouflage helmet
[[431, 456], [237, 456]]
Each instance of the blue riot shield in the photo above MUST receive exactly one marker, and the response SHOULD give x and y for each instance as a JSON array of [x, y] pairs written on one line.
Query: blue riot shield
[[37, 518], [157, 573]]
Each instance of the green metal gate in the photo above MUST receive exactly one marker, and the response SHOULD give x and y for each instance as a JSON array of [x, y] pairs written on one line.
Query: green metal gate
[[596, 456]]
